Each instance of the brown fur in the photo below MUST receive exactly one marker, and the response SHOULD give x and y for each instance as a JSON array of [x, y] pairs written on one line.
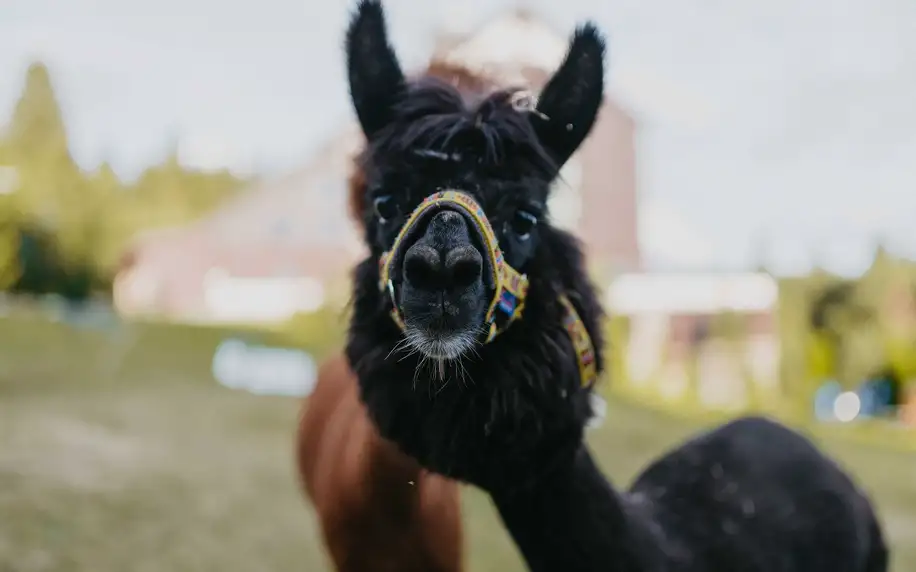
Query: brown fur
[[378, 510]]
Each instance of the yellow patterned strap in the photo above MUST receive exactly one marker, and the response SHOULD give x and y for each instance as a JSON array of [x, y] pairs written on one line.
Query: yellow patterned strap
[[511, 286], [582, 342]]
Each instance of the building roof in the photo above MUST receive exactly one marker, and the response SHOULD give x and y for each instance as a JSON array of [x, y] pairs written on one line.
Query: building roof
[[512, 42], [522, 38]]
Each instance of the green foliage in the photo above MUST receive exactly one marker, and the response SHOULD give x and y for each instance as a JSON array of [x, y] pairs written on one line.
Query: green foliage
[[319, 332], [901, 357], [617, 333], [36, 130], [71, 227], [10, 269], [850, 329]]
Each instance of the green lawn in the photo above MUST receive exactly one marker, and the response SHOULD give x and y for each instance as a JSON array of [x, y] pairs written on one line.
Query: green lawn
[[118, 453]]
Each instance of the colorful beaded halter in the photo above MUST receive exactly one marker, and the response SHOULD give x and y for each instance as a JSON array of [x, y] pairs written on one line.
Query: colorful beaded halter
[[511, 286]]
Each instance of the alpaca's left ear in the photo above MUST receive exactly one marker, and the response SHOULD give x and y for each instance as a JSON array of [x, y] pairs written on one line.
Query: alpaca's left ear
[[569, 103], [375, 76]]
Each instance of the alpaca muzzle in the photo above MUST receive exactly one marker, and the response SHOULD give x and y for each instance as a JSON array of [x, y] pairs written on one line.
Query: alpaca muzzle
[[508, 285]]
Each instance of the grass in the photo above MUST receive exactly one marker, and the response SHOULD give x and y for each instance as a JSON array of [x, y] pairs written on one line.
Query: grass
[[119, 453]]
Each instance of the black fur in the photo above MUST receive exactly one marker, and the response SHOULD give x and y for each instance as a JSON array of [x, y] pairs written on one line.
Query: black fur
[[569, 103], [374, 74], [751, 496]]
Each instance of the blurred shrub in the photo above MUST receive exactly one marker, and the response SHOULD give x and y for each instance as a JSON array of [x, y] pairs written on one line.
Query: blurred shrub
[[321, 332], [10, 268], [901, 354]]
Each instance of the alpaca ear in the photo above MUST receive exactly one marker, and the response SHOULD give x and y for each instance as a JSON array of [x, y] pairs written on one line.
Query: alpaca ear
[[569, 103], [375, 76]]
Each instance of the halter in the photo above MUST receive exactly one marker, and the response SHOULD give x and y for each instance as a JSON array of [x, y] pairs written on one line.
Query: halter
[[511, 286]]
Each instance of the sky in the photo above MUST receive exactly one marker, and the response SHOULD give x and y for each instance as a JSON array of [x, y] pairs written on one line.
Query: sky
[[776, 130]]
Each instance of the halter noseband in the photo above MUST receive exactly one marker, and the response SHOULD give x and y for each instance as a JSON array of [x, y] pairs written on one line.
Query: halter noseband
[[511, 286]]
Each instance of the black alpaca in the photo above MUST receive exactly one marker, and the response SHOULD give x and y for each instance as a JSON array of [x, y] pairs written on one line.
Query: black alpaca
[[507, 414]]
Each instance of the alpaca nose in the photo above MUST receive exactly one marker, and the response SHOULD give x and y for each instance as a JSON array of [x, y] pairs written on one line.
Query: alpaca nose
[[444, 259], [426, 268]]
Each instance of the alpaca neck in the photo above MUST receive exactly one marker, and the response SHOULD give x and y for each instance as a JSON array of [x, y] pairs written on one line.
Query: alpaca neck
[[573, 519]]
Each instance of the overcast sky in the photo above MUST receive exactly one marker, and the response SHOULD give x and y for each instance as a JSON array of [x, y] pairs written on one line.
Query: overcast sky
[[787, 122]]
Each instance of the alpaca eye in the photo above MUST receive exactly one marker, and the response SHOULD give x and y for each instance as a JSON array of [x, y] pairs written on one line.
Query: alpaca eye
[[523, 223], [386, 208]]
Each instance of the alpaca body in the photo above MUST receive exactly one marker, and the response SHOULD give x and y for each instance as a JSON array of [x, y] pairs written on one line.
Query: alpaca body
[[749, 496], [378, 510], [507, 411]]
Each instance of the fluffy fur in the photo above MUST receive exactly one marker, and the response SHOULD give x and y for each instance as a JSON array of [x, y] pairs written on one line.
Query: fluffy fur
[[508, 417], [379, 511]]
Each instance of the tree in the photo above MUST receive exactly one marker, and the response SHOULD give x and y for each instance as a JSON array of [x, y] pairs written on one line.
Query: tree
[[37, 147], [100, 235], [36, 130], [10, 268], [50, 189]]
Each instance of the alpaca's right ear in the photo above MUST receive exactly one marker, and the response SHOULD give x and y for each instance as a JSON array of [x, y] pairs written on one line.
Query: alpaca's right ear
[[375, 76]]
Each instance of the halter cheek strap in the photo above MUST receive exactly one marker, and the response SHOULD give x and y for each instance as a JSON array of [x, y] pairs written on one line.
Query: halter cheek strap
[[582, 342], [511, 286]]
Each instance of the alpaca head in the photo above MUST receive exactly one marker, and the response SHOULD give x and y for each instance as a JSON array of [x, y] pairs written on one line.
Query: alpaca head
[[452, 194]]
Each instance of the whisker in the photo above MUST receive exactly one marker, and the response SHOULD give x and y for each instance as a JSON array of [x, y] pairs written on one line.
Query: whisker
[[398, 346], [463, 372], [416, 371]]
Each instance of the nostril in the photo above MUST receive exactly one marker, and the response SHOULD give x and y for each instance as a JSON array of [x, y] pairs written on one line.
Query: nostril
[[423, 268], [464, 266]]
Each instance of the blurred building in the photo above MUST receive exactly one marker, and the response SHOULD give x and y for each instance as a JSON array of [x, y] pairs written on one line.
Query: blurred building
[[715, 333], [278, 248], [287, 245]]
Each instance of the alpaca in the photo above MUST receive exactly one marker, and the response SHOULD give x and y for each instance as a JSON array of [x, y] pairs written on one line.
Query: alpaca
[[361, 519], [476, 342], [378, 510]]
